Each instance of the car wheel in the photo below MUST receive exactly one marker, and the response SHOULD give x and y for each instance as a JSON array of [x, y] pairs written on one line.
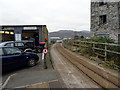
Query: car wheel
[[39, 50], [31, 62]]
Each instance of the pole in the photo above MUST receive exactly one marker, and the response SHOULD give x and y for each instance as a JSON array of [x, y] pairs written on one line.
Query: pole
[[45, 62], [43, 59]]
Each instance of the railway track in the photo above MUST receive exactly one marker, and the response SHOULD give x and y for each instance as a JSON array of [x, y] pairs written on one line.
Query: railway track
[[102, 78]]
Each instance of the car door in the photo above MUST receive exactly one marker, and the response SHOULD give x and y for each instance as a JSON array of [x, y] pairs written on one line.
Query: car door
[[1, 55], [13, 58]]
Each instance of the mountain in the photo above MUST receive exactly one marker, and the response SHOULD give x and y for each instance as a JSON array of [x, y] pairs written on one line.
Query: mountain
[[69, 33]]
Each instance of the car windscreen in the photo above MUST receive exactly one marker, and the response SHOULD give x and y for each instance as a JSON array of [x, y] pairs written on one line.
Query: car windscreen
[[2, 44], [12, 51]]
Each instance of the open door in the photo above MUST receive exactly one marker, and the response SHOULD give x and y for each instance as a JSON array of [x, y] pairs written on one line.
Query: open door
[[31, 35]]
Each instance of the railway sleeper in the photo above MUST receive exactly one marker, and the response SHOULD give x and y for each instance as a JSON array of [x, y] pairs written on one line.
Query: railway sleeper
[[104, 79]]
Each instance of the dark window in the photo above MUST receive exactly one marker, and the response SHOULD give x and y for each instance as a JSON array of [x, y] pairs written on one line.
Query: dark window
[[119, 38], [19, 44], [10, 45], [102, 3], [12, 51], [29, 44], [1, 52], [103, 35], [102, 19]]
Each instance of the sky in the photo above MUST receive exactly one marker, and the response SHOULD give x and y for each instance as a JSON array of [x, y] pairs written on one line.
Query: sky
[[56, 14]]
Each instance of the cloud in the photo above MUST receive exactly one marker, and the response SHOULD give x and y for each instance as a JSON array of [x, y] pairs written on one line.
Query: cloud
[[56, 14]]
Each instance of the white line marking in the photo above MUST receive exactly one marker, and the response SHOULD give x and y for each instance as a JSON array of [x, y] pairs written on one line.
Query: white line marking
[[5, 83], [36, 84]]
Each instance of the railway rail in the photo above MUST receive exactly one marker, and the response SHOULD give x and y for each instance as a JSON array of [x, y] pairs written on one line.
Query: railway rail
[[101, 77]]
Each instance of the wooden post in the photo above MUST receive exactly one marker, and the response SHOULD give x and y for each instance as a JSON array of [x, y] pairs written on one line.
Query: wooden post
[[93, 48], [105, 52], [45, 61], [80, 44], [85, 44]]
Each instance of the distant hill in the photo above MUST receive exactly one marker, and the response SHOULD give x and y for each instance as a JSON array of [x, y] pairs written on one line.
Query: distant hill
[[69, 33]]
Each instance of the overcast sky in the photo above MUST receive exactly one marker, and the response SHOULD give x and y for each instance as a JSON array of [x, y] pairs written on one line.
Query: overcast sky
[[56, 14]]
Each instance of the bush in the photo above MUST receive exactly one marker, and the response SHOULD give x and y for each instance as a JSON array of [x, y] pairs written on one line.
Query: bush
[[89, 51], [102, 40]]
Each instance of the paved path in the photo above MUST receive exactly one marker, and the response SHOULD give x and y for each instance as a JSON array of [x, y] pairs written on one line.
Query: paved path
[[32, 77]]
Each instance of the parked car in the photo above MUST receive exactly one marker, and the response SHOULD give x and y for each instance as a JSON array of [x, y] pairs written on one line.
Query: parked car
[[12, 57], [25, 45]]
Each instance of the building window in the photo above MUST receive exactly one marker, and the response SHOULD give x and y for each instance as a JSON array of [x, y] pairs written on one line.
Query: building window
[[119, 38], [103, 35], [102, 19], [102, 2]]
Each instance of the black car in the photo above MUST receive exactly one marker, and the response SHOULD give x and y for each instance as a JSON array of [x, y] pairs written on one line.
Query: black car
[[12, 58], [25, 45]]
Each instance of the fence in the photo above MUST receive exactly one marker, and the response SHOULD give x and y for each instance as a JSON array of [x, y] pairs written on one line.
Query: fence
[[97, 47]]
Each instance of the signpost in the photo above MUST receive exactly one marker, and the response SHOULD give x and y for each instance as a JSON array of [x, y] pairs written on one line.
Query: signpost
[[45, 51]]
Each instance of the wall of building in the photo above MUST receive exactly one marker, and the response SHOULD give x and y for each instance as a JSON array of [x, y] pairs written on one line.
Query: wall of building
[[111, 27], [18, 29], [44, 33]]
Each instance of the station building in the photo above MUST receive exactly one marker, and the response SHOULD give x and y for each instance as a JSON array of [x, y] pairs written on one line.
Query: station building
[[23, 32]]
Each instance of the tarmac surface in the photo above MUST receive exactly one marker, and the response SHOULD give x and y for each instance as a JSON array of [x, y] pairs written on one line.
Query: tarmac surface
[[32, 77]]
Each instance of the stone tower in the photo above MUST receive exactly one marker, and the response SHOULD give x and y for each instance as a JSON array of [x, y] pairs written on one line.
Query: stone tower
[[105, 18]]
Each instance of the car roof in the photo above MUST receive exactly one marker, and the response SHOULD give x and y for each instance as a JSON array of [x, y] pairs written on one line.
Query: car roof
[[7, 47], [17, 41]]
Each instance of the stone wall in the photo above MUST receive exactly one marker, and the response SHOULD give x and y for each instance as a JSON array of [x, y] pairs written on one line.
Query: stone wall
[[111, 27]]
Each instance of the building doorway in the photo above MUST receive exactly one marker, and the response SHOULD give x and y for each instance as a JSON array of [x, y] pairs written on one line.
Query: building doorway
[[31, 35]]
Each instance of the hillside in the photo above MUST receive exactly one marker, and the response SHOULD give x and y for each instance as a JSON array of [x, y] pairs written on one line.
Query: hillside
[[69, 33]]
